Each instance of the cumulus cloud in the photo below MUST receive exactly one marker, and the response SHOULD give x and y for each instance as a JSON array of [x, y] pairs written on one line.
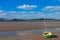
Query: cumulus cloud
[[52, 11], [23, 15], [29, 15], [3, 15], [52, 8], [26, 15], [27, 7]]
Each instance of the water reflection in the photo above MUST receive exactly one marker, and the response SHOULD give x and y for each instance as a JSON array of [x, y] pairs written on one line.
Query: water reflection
[[37, 31]]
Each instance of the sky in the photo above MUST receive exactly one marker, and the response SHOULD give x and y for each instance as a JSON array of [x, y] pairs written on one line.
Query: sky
[[29, 9]]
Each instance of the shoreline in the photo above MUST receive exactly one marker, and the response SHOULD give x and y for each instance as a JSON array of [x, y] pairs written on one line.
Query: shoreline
[[27, 26], [29, 36]]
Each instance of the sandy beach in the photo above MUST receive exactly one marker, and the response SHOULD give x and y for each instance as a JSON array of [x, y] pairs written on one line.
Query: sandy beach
[[27, 25], [6, 27]]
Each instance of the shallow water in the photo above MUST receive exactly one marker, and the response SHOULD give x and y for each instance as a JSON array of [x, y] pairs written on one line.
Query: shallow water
[[37, 31], [56, 23]]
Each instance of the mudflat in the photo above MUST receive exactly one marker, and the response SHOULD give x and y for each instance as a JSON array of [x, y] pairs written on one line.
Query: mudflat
[[27, 25], [29, 36]]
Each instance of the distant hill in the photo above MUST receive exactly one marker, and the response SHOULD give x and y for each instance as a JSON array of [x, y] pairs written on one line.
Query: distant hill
[[36, 20]]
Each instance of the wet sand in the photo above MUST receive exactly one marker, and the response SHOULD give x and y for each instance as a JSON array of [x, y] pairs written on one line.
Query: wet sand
[[30, 36], [27, 26]]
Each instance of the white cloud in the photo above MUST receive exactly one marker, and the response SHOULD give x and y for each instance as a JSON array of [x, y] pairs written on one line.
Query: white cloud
[[52, 11], [29, 15], [51, 8], [22, 15], [1, 11], [27, 7], [57, 13], [50, 14], [3, 15]]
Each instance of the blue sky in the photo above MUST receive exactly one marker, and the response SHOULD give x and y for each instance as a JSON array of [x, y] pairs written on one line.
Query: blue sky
[[29, 9]]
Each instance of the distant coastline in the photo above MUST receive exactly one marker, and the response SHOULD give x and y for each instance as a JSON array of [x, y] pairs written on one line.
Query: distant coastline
[[28, 20]]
